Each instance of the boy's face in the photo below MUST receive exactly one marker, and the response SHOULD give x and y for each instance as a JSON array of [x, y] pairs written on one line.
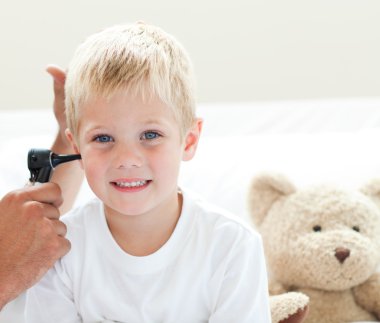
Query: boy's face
[[131, 152]]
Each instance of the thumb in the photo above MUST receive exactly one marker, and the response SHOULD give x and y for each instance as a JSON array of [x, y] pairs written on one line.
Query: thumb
[[58, 74]]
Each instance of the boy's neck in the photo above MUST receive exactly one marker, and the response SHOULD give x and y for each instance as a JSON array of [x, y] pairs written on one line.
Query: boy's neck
[[144, 234]]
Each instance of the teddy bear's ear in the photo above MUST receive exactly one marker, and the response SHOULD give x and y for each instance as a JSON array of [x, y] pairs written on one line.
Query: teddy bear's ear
[[265, 189], [372, 189]]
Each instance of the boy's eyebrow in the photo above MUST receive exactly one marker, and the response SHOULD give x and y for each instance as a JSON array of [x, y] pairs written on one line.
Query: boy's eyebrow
[[157, 121], [149, 121]]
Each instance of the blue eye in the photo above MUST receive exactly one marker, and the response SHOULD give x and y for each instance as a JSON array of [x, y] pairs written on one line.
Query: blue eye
[[103, 138], [149, 135]]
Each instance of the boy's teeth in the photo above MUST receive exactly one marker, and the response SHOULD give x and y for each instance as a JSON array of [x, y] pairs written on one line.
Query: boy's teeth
[[131, 184]]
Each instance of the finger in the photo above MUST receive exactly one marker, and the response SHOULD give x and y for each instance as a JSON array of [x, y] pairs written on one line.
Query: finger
[[58, 74], [39, 209], [65, 246], [59, 77], [58, 248], [59, 227], [45, 193]]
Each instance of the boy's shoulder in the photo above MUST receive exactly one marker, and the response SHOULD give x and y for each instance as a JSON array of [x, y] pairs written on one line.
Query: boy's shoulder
[[218, 235], [215, 218]]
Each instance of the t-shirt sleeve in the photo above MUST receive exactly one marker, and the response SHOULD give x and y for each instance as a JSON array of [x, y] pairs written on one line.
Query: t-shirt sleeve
[[243, 295], [51, 299]]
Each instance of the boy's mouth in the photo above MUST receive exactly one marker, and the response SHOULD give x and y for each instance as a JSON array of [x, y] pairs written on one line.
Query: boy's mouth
[[131, 184]]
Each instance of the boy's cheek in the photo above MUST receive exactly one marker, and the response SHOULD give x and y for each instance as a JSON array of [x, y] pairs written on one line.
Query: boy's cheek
[[81, 164]]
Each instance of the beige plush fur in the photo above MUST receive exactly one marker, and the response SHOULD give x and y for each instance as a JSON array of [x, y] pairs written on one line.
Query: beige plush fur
[[324, 242], [288, 307]]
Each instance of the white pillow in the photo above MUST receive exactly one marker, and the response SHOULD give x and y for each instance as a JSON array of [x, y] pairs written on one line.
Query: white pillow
[[224, 166]]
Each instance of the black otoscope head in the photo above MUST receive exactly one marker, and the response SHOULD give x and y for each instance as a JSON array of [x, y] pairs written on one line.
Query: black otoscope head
[[41, 162]]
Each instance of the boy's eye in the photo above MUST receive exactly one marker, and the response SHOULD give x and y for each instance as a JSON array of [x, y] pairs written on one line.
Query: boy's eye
[[103, 138], [149, 135]]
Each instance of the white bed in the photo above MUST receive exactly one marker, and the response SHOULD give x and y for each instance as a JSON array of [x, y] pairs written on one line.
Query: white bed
[[313, 141]]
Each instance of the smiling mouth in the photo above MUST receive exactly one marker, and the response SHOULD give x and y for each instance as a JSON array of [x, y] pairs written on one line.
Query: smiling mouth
[[131, 184]]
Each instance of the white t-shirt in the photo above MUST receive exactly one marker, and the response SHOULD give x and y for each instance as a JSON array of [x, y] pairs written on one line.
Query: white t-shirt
[[212, 269]]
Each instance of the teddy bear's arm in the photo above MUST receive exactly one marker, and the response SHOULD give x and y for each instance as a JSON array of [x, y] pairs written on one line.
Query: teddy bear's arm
[[367, 294]]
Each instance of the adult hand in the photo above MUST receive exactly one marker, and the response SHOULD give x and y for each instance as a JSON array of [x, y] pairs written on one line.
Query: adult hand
[[31, 237]]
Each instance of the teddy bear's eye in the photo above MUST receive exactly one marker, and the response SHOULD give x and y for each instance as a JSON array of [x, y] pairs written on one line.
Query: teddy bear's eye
[[317, 228], [356, 228]]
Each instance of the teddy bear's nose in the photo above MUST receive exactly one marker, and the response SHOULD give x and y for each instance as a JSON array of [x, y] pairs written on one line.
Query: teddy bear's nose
[[342, 254]]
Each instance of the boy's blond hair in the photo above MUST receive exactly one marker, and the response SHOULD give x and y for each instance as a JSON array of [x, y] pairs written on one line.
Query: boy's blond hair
[[138, 58]]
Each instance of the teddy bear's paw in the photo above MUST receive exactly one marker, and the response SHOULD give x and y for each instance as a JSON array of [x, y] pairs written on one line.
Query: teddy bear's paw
[[368, 294], [290, 307]]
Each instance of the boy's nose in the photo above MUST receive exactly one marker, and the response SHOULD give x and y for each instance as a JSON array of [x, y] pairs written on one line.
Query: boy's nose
[[128, 157]]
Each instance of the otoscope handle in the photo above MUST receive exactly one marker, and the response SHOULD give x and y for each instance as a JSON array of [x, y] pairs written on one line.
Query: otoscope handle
[[44, 175], [41, 162]]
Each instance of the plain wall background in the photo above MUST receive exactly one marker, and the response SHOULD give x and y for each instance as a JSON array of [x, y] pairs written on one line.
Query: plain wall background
[[242, 50]]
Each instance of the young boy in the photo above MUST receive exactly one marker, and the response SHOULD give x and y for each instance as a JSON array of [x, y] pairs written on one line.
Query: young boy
[[146, 250]]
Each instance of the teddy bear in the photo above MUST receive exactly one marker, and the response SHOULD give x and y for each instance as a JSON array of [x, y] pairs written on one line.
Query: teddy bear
[[322, 241]]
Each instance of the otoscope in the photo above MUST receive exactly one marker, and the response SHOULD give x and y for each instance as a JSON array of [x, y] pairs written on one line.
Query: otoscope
[[41, 162]]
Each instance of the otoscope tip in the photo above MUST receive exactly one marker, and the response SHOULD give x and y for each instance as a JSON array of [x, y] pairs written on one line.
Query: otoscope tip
[[59, 159]]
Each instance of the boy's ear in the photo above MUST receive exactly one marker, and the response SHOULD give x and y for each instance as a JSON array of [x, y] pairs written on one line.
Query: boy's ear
[[192, 139], [71, 139]]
